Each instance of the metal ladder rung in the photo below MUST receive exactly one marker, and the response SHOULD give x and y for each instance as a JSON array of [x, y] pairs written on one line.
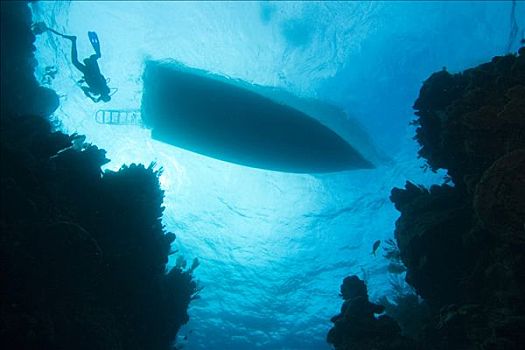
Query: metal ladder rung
[[118, 117]]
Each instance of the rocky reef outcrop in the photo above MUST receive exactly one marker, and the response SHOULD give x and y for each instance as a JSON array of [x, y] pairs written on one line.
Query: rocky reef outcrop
[[359, 325], [463, 242], [83, 252]]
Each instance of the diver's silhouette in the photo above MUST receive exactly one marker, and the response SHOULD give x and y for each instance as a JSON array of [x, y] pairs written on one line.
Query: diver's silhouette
[[97, 88], [96, 83]]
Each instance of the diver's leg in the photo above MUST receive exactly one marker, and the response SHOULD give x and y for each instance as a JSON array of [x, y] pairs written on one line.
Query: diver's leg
[[57, 33], [40, 27], [74, 54], [70, 37]]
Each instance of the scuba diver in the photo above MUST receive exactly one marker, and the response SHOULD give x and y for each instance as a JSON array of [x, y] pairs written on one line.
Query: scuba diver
[[96, 87]]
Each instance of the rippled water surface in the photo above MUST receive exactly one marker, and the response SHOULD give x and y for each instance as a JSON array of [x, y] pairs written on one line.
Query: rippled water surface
[[274, 247]]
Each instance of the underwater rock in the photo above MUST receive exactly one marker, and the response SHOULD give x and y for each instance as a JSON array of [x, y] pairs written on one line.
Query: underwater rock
[[430, 228], [357, 326], [466, 121], [464, 245], [19, 90], [83, 251], [499, 198]]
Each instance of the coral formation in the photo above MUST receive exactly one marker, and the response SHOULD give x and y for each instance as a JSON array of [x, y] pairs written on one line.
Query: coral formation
[[83, 251], [463, 244], [357, 327], [469, 120], [409, 310]]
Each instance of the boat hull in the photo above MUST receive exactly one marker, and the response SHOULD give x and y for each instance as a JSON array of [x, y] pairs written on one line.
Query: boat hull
[[226, 120]]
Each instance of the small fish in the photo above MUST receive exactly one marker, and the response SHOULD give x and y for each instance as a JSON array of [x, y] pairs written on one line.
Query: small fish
[[375, 246]]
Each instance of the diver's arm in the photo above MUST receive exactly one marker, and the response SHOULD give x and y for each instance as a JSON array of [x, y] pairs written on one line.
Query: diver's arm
[[96, 100], [88, 94]]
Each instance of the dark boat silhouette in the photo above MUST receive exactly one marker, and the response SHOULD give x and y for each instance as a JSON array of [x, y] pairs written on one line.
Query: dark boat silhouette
[[230, 120]]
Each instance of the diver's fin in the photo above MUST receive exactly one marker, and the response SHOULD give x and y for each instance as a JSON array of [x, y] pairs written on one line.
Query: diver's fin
[[93, 39]]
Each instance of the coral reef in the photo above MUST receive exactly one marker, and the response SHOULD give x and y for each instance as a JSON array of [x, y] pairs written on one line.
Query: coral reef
[[83, 252], [357, 327], [469, 120], [408, 309], [462, 243]]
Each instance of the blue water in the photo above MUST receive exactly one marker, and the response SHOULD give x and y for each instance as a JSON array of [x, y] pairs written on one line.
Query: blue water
[[275, 247]]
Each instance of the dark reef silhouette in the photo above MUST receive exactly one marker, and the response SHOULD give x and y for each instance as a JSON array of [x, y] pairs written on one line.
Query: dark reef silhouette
[[462, 243], [357, 326], [83, 252]]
